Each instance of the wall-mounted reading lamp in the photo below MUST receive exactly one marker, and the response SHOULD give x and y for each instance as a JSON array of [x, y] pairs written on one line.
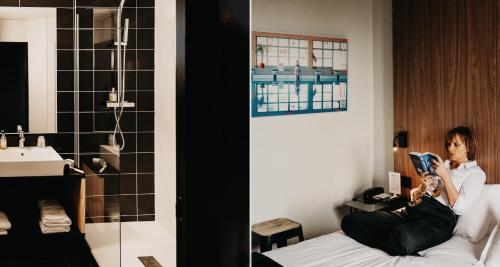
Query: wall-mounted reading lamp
[[400, 140]]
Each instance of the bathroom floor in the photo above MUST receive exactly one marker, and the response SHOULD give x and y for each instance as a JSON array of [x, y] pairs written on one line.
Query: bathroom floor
[[137, 239]]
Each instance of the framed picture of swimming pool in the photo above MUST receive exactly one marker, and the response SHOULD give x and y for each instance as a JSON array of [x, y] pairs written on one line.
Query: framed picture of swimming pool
[[297, 74]]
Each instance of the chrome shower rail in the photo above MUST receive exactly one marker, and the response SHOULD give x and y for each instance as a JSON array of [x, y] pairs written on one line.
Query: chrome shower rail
[[76, 97]]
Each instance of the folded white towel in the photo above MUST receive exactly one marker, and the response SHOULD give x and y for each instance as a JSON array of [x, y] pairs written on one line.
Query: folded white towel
[[46, 221], [53, 230], [51, 210], [4, 221], [55, 224]]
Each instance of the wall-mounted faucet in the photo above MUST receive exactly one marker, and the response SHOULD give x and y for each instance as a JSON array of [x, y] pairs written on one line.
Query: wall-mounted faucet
[[21, 136]]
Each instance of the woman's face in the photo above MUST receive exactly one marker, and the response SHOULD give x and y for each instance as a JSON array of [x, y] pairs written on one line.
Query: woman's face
[[457, 151]]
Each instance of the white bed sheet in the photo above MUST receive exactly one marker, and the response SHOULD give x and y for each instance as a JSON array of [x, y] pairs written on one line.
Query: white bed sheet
[[337, 249]]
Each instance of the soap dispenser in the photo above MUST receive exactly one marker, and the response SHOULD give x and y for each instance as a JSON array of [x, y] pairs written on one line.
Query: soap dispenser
[[3, 141]]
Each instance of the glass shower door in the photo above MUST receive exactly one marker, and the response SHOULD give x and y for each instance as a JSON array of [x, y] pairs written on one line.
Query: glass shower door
[[99, 152]]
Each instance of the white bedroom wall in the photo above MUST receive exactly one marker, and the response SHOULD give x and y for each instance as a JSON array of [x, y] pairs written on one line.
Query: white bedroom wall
[[383, 97], [304, 167]]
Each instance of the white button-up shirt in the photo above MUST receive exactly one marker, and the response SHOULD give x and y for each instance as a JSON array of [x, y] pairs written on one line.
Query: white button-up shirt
[[468, 179]]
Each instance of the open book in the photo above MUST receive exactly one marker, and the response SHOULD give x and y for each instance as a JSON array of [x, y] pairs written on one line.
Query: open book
[[422, 162]]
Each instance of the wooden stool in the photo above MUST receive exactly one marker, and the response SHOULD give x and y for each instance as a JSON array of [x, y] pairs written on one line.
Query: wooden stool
[[276, 231]]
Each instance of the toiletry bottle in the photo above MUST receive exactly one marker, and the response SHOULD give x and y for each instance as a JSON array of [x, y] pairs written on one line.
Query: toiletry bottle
[[3, 141], [113, 97]]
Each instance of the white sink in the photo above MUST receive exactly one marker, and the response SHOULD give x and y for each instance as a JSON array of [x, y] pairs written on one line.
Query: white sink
[[111, 154], [30, 161]]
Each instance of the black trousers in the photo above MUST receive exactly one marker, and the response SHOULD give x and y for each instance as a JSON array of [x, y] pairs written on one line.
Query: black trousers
[[404, 232]]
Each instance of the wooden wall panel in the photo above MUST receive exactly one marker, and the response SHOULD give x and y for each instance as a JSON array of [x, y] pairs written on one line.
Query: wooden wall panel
[[445, 75]]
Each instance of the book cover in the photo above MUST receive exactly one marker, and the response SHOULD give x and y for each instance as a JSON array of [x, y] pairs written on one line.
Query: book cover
[[422, 162]]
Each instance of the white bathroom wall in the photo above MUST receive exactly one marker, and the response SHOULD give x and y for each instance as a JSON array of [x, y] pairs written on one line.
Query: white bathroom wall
[[304, 167], [12, 30], [40, 34], [42, 44], [165, 140]]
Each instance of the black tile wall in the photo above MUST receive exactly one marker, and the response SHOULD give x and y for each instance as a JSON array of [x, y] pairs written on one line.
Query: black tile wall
[[46, 3], [100, 3], [128, 205], [131, 15], [145, 3], [146, 183], [132, 39], [145, 59], [65, 61], [145, 142], [86, 39], [86, 18], [136, 182], [85, 81], [145, 101], [145, 18], [9, 2], [145, 121], [131, 190], [146, 39], [65, 80], [146, 217], [146, 204], [128, 184], [65, 39], [145, 80], [64, 18]]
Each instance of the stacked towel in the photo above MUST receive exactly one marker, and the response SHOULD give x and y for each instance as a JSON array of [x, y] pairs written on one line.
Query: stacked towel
[[53, 218], [4, 223]]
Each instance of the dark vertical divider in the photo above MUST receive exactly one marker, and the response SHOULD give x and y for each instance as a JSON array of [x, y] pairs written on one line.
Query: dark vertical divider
[[213, 133]]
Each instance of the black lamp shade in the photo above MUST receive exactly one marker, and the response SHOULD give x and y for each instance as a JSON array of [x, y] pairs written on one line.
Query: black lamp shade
[[401, 140]]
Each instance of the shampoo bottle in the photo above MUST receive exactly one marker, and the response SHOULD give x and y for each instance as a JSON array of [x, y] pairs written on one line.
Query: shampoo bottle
[[113, 97], [3, 141]]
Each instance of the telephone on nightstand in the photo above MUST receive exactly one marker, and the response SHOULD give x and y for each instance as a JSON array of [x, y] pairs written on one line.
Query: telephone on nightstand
[[370, 193]]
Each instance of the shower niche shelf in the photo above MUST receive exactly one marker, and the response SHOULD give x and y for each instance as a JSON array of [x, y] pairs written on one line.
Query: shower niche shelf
[[119, 105]]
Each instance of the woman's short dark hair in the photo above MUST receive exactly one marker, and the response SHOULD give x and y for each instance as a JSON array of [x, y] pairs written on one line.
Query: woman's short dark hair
[[465, 134]]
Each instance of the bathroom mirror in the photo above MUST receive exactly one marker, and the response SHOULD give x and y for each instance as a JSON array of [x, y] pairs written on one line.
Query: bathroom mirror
[[28, 73]]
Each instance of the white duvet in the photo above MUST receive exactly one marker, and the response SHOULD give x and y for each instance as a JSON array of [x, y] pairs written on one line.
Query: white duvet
[[337, 249]]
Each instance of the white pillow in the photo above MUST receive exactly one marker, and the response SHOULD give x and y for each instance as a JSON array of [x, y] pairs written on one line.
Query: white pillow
[[490, 257], [480, 217]]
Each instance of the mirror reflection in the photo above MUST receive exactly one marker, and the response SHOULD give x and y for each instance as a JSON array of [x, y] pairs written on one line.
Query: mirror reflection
[[28, 43]]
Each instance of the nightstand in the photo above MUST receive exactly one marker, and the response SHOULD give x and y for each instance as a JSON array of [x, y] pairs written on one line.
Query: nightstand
[[276, 231], [390, 205], [355, 205]]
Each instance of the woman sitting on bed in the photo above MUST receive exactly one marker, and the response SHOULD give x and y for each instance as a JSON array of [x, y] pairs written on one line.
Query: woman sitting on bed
[[431, 216]]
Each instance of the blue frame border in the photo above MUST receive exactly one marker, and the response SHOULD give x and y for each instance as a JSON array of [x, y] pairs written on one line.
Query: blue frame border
[[285, 78]]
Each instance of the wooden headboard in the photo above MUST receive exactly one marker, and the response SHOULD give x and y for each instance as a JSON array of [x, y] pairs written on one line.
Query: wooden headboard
[[446, 74]]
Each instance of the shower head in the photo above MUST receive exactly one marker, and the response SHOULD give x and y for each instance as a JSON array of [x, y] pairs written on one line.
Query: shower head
[[125, 32]]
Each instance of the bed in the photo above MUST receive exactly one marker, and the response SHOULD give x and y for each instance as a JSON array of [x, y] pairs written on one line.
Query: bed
[[337, 249]]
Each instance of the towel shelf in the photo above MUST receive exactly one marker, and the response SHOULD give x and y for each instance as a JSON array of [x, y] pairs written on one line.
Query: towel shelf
[[25, 245]]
